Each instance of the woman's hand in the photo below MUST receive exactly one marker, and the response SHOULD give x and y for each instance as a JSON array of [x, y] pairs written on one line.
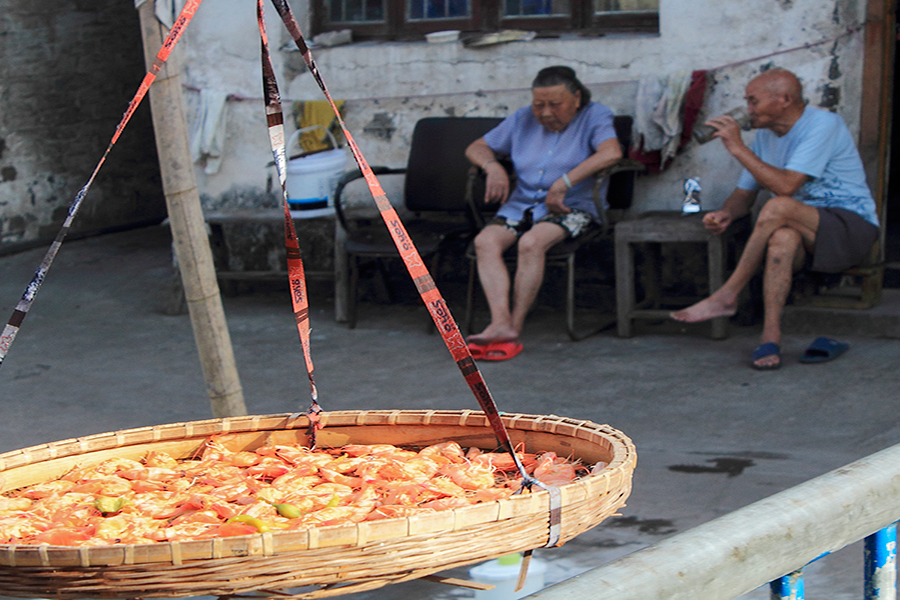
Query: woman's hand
[[496, 186], [556, 197]]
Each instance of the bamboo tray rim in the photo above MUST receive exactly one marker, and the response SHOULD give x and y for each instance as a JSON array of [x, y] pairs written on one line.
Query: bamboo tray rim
[[286, 421], [615, 476]]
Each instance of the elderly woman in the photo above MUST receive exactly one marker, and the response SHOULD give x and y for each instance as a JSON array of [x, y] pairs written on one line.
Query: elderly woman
[[555, 145]]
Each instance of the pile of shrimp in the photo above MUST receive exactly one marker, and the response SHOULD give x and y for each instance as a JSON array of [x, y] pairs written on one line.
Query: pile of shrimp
[[275, 488]]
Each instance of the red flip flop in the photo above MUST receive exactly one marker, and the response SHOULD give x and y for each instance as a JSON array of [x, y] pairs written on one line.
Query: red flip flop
[[477, 350], [502, 350]]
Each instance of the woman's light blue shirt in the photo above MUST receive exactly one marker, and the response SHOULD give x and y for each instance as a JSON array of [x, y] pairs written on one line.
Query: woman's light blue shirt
[[540, 157]]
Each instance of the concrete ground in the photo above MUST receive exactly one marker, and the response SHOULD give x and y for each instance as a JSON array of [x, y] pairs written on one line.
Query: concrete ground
[[98, 353]]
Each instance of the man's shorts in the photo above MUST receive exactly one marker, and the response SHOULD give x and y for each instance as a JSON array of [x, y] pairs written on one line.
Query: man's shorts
[[575, 222], [842, 240]]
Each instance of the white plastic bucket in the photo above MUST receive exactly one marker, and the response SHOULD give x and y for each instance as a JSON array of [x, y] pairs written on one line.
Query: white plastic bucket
[[311, 180], [503, 574]]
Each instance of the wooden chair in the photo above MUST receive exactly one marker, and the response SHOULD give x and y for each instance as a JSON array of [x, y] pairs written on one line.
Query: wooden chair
[[434, 192], [619, 196], [856, 288]]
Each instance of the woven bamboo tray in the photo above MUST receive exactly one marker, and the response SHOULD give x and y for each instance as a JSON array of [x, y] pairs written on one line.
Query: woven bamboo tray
[[321, 561]]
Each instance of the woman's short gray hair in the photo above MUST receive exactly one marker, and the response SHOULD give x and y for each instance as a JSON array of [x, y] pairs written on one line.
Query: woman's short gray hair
[[562, 75]]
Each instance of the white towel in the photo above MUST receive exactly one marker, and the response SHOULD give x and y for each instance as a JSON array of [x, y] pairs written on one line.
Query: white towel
[[650, 90], [166, 11], [659, 112], [208, 139]]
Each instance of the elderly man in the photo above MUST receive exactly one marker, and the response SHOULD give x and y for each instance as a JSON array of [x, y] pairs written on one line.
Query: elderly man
[[821, 214]]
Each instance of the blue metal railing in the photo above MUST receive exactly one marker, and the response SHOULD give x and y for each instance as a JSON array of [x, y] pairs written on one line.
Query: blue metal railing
[[767, 542], [880, 570], [881, 564]]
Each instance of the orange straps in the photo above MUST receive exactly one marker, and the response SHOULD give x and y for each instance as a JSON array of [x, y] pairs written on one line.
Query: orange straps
[[296, 275], [422, 279], [15, 321]]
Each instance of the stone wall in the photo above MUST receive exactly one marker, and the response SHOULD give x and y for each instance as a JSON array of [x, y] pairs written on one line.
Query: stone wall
[[388, 86], [67, 72]]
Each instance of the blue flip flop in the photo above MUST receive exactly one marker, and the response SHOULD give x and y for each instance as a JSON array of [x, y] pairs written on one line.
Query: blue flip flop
[[763, 350], [824, 349]]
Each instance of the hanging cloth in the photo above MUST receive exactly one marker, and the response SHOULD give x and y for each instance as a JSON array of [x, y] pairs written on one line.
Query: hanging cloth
[[668, 113], [208, 139], [693, 104], [166, 11], [666, 109]]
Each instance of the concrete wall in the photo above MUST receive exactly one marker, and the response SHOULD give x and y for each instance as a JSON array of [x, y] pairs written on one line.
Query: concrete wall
[[67, 72], [388, 86]]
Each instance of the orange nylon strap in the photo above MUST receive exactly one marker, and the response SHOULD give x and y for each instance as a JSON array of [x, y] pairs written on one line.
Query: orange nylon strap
[[422, 279], [296, 275], [15, 321]]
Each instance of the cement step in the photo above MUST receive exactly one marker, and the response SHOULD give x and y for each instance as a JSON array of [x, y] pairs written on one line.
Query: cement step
[[880, 321]]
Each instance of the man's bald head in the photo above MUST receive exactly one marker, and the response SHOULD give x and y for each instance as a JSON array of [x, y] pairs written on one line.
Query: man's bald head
[[780, 82], [775, 100]]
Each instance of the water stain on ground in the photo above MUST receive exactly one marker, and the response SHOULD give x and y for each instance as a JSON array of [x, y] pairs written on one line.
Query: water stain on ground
[[36, 371], [730, 466], [651, 526]]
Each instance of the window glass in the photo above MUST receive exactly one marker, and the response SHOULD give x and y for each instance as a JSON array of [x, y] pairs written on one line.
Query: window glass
[[358, 11], [412, 19], [525, 8], [437, 9], [601, 6]]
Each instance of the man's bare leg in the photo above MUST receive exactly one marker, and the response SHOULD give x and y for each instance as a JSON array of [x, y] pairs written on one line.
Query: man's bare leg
[[778, 212], [490, 244], [532, 255], [785, 256]]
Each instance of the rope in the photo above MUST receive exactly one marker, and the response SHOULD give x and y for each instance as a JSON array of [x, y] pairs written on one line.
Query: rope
[[21, 311], [296, 274], [849, 31], [431, 296]]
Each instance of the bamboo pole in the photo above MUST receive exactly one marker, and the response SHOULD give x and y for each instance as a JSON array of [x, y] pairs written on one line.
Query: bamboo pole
[[191, 242]]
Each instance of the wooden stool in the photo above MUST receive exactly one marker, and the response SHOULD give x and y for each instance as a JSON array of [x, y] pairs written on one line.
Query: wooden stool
[[659, 228]]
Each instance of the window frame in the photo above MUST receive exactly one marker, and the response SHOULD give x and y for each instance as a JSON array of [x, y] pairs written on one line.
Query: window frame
[[485, 18]]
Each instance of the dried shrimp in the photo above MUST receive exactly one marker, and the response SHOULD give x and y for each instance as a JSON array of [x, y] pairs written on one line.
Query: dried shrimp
[[226, 493]]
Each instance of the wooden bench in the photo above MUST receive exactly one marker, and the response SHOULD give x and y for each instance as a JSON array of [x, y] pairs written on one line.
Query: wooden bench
[[219, 219], [859, 288], [229, 280]]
